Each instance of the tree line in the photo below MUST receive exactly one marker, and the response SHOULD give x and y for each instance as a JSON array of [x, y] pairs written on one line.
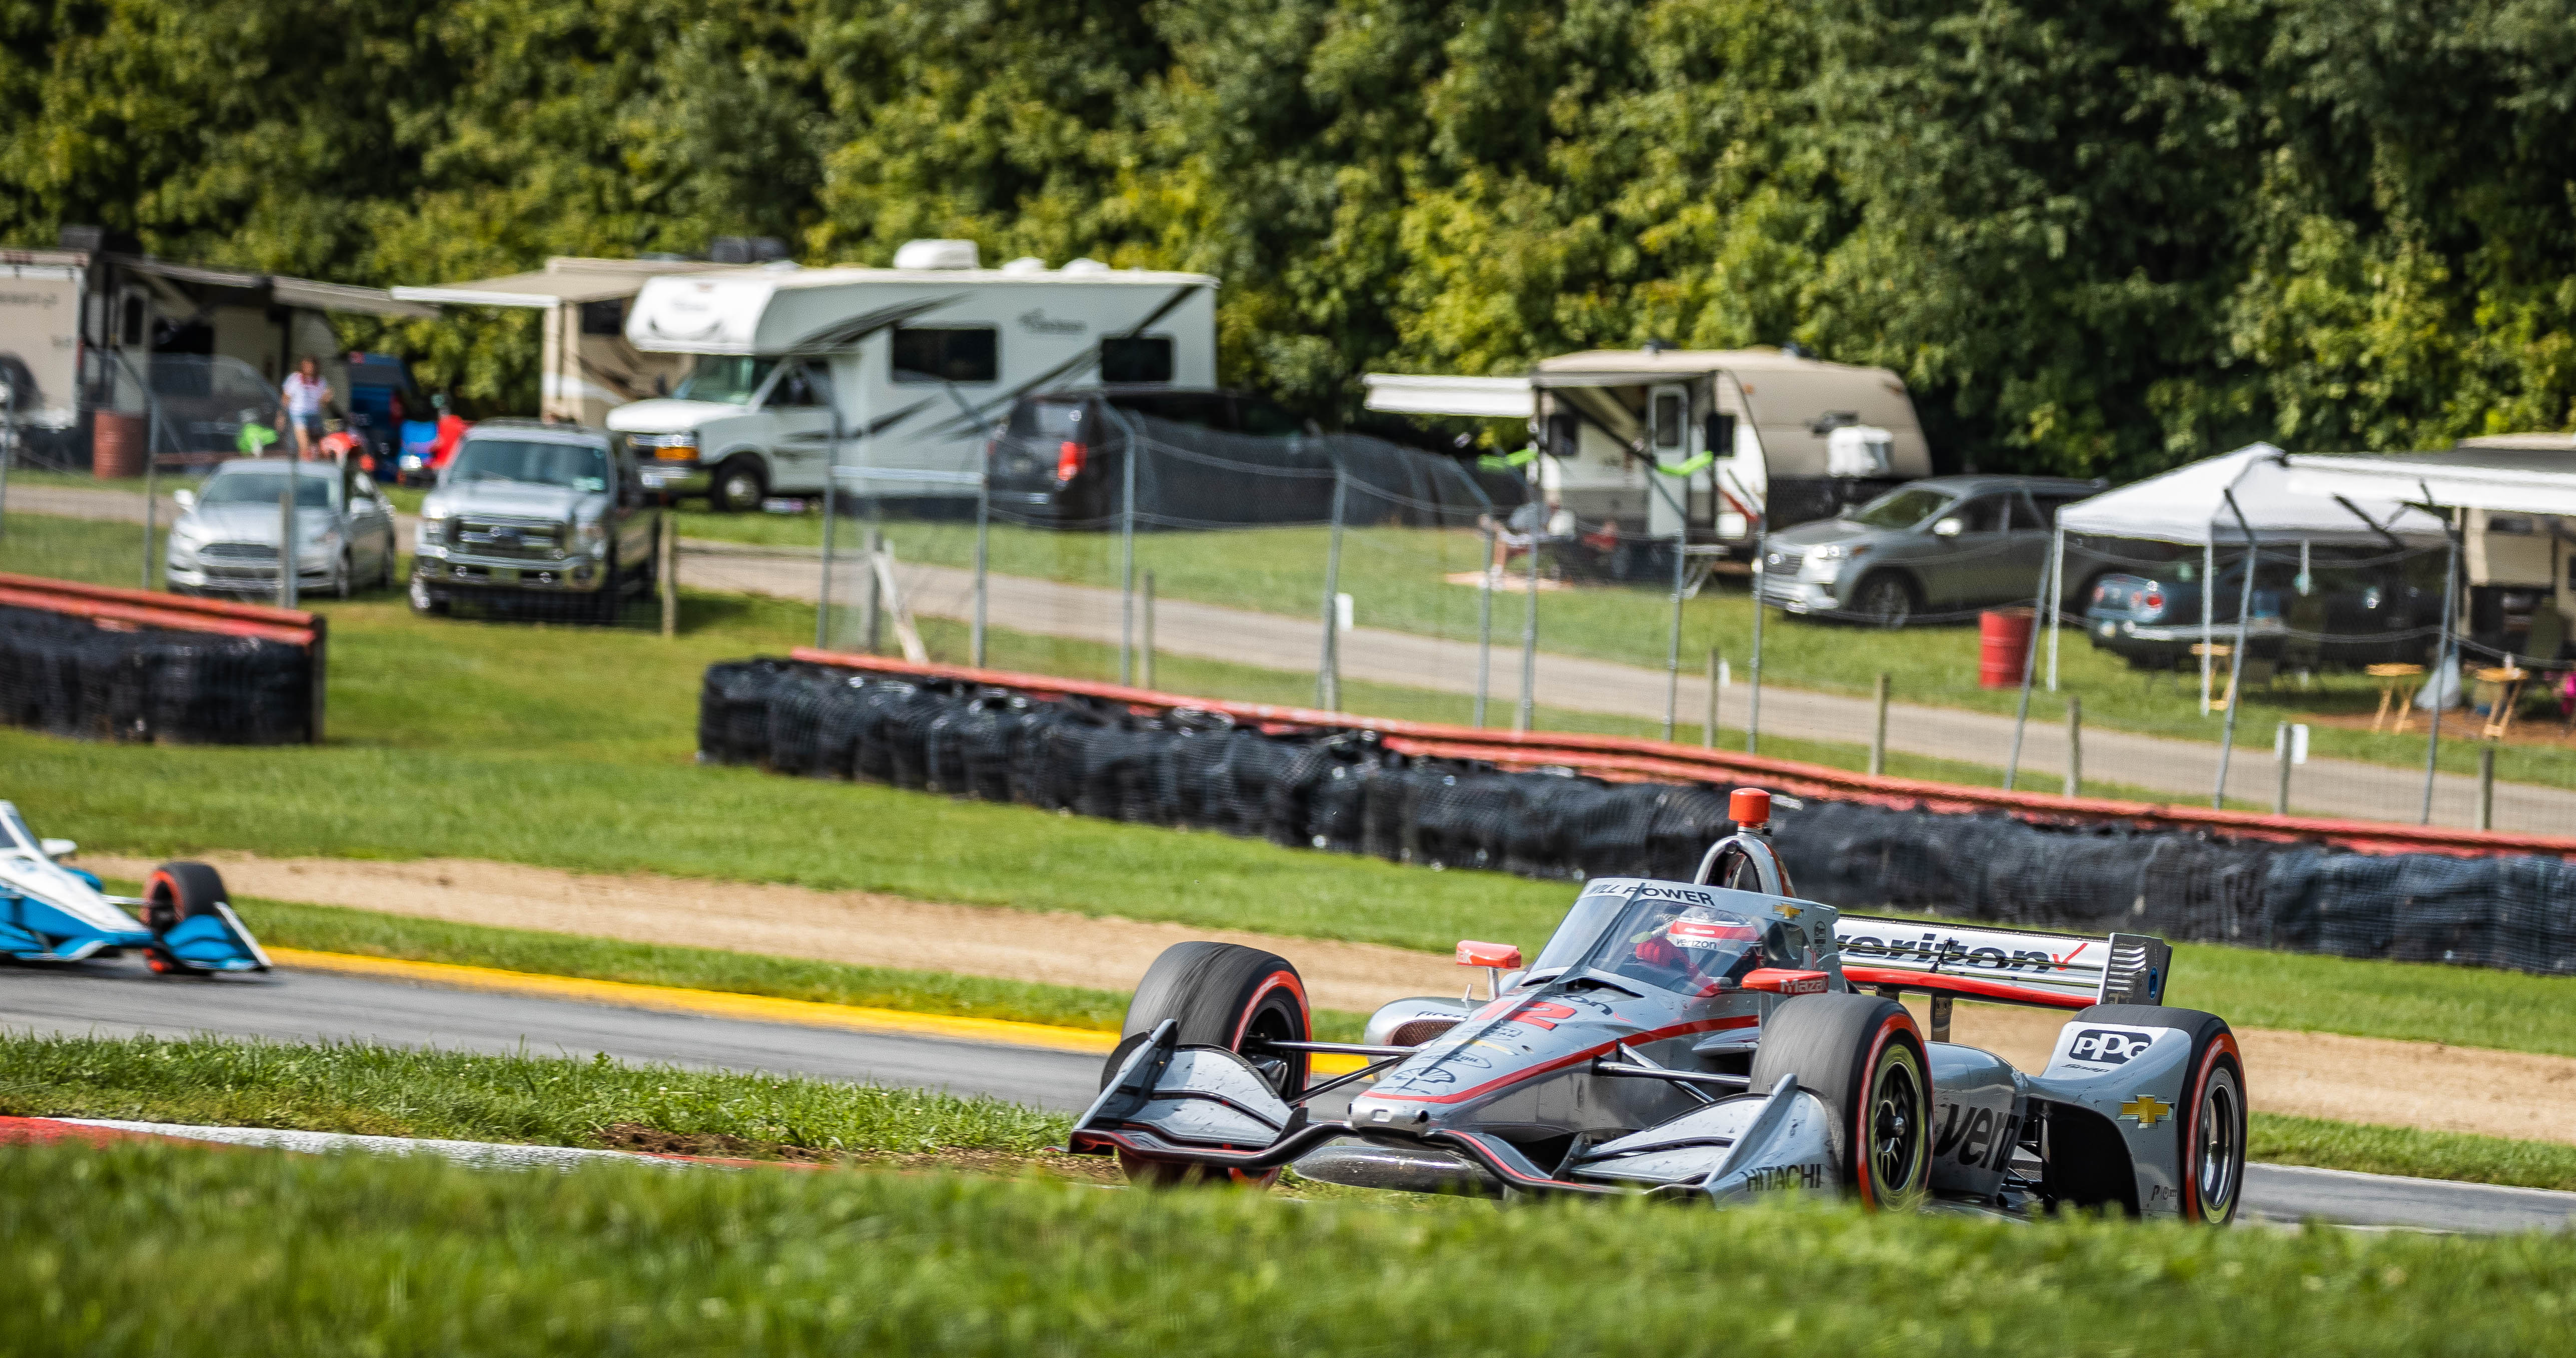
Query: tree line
[[2096, 238]]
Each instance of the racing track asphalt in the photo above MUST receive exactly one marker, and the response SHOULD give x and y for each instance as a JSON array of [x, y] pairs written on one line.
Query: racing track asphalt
[[303, 1006]]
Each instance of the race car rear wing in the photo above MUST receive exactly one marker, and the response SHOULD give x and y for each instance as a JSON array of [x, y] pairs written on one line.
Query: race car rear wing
[[2006, 966]]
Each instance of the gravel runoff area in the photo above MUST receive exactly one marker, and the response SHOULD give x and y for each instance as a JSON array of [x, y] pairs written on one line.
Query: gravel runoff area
[[2424, 1085]]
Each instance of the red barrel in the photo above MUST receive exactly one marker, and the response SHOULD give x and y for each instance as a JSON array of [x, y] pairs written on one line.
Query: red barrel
[[116, 445], [2003, 645]]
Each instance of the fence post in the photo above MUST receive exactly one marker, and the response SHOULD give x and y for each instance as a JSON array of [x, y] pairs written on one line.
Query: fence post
[[2486, 787], [1673, 643], [1148, 638], [1878, 727], [2283, 747], [2029, 664], [2074, 746], [1127, 562], [286, 569], [1529, 618], [8, 446], [1485, 622], [1708, 724], [667, 574], [2237, 657], [983, 551], [1328, 664], [872, 600], [151, 478], [1753, 702]]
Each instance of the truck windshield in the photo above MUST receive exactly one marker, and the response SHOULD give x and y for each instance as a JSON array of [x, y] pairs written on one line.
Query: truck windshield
[[727, 379], [1901, 508], [531, 462], [264, 485]]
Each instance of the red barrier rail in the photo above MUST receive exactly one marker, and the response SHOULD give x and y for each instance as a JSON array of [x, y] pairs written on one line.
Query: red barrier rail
[[1630, 759], [126, 610]]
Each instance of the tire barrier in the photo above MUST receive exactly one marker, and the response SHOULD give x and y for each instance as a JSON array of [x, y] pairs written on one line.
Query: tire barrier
[[94, 663], [1317, 780]]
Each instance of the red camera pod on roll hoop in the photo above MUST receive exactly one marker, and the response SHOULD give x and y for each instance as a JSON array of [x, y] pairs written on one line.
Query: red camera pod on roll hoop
[[1500, 956], [1749, 808]]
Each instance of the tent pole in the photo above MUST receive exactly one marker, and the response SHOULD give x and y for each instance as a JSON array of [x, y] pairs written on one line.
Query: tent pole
[[2056, 572], [2236, 671], [2208, 620], [2445, 665]]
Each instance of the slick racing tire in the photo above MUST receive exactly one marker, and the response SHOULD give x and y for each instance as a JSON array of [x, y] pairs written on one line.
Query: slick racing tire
[[175, 893], [1222, 995], [2210, 1116], [1863, 1056]]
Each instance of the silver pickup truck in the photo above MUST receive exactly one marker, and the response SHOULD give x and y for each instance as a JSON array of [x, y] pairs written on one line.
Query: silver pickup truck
[[551, 515]]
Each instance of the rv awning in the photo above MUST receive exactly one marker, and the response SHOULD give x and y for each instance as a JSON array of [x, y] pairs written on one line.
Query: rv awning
[[2519, 480], [305, 292], [2189, 505], [566, 278], [1500, 398]]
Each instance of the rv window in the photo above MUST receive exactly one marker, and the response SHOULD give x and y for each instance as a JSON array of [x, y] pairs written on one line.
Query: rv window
[[1670, 411], [803, 385], [1135, 358], [729, 379], [604, 318], [947, 355]]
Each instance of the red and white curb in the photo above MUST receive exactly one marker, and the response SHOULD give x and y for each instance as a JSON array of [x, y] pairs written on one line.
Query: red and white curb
[[481, 1154]]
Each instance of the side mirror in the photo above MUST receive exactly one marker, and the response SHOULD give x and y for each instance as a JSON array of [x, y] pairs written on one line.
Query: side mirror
[[1948, 528], [187, 498], [1495, 958], [57, 848]]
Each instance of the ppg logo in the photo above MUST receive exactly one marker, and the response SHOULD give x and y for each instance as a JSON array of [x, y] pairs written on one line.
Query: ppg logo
[[2109, 1046]]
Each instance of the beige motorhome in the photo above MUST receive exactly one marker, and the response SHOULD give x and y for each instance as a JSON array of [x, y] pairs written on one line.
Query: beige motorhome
[[1722, 443]]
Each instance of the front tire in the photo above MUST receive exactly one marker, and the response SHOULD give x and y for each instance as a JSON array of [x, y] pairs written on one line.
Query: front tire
[[424, 603], [1885, 599], [738, 487], [1863, 1056], [2212, 1107], [178, 892], [1222, 995]]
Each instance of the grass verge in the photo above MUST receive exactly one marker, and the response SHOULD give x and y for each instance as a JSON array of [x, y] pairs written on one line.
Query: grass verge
[[401, 1091], [182, 1251], [2279, 1139], [325, 928]]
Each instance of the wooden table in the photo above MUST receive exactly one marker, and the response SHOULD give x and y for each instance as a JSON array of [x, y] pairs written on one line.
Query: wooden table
[[2393, 693]]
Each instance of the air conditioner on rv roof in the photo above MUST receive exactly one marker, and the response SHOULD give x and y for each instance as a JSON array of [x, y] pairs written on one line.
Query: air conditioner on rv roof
[[936, 254]]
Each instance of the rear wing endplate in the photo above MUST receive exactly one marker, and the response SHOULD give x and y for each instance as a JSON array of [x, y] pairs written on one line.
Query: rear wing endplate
[[2004, 966]]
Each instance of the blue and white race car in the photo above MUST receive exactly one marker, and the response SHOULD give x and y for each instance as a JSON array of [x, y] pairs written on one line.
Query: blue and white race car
[[183, 922]]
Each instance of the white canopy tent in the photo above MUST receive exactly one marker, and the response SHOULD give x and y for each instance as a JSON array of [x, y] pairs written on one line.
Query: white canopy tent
[[2517, 480], [2220, 501]]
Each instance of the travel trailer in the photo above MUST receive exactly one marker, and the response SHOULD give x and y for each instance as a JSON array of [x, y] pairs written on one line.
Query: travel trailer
[[586, 367], [1718, 445], [900, 375]]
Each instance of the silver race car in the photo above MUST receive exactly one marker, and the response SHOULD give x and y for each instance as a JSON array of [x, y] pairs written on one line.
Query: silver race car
[[1698, 1041]]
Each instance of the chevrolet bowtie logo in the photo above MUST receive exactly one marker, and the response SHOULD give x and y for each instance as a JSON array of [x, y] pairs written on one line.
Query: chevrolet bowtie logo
[[2147, 1109]]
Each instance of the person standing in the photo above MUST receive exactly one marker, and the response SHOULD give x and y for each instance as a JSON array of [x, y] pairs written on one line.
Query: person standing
[[302, 399]]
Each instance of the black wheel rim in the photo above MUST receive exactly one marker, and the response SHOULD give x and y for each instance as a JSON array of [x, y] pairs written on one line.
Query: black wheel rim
[[1273, 1023], [1895, 1125], [2217, 1150]]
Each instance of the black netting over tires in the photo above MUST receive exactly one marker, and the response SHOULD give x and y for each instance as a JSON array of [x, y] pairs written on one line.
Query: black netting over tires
[[1346, 792], [71, 676]]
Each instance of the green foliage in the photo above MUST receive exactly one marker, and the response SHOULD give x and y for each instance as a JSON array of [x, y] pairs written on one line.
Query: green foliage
[[184, 1251], [2278, 1139], [403, 1091], [2094, 238]]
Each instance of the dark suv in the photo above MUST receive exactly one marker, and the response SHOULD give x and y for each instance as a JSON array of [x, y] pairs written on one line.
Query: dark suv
[[1060, 460]]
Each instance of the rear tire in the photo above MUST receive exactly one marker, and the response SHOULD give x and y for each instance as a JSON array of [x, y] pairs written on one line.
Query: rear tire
[[1864, 1058], [178, 892], [2212, 1108], [1222, 995]]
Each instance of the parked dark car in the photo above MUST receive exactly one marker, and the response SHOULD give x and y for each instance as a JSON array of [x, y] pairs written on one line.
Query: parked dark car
[[1940, 547], [2355, 609]]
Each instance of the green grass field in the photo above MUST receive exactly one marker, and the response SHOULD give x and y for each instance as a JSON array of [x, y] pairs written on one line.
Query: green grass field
[[182, 1251]]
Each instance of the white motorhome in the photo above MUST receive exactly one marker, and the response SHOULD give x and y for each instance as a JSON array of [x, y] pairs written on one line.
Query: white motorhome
[[1721, 443], [899, 375]]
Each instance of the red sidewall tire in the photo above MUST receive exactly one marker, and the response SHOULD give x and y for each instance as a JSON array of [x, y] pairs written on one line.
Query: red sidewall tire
[[2219, 1060]]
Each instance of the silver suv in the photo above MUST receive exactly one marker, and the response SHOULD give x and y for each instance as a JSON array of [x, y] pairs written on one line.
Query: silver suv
[[1930, 550], [535, 512]]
